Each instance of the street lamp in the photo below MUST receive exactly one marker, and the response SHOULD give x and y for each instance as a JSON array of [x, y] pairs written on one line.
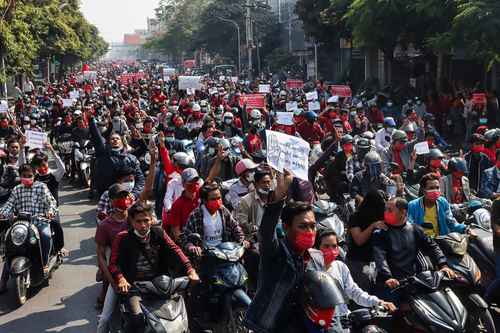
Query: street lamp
[[239, 40]]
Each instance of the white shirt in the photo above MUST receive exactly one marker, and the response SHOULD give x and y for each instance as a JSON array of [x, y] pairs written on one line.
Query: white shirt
[[212, 228], [174, 190], [380, 139]]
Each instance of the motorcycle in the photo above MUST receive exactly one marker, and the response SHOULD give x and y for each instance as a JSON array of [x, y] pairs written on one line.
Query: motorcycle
[[83, 161], [23, 252], [221, 299], [481, 250], [65, 147], [327, 219], [362, 320], [162, 304]]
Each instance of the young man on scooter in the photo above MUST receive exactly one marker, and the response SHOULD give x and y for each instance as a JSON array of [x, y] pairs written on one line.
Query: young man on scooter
[[141, 254]]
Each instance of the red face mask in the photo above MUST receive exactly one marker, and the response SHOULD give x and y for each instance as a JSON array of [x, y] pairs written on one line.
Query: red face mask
[[347, 148], [28, 182], [330, 255], [121, 204], [390, 218], [436, 164], [409, 135], [430, 142], [4, 123], [193, 187], [303, 240], [477, 148], [321, 317], [43, 170], [498, 164], [196, 114], [432, 195], [213, 205], [332, 115]]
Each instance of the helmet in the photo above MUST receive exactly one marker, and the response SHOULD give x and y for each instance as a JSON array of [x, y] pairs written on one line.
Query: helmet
[[389, 121], [311, 115], [399, 135], [244, 165], [368, 135], [203, 103], [196, 107], [346, 139], [182, 159], [255, 114], [458, 164], [372, 157], [363, 143], [410, 127], [228, 115], [492, 135], [373, 163], [435, 154]]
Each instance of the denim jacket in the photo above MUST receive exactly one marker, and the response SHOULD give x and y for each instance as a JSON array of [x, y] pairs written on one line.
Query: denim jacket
[[280, 275], [489, 183]]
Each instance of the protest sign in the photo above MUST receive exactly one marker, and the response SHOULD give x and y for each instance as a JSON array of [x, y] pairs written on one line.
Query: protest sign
[[284, 118], [189, 63], [264, 88], [479, 99], [294, 84], [67, 102], [341, 91], [222, 78], [213, 91], [292, 106], [168, 72], [36, 139], [4, 106], [74, 94], [254, 101], [422, 148], [314, 106], [190, 91], [189, 82], [312, 96], [90, 75], [288, 152], [234, 79]]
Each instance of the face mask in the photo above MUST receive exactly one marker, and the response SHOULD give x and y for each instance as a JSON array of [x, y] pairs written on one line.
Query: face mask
[[390, 218], [142, 236], [169, 139], [193, 187], [430, 143], [330, 255], [43, 170], [432, 195], [121, 204], [321, 317], [129, 185], [197, 115], [347, 148], [333, 115], [409, 135], [213, 205], [303, 240], [147, 130], [26, 126], [343, 118], [27, 182], [263, 191], [4, 123], [228, 121], [389, 105], [476, 149], [436, 164], [389, 130]]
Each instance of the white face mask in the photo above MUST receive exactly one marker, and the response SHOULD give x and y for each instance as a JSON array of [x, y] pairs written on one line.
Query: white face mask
[[228, 121], [26, 126], [141, 236], [129, 185]]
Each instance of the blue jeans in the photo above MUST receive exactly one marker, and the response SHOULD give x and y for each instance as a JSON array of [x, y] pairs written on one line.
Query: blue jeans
[[45, 241], [494, 287]]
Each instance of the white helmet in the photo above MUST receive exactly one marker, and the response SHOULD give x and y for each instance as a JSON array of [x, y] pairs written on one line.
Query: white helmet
[[255, 114], [196, 107], [228, 115]]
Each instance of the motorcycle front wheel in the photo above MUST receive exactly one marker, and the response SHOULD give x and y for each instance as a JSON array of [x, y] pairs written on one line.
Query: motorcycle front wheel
[[236, 322], [484, 322], [21, 287]]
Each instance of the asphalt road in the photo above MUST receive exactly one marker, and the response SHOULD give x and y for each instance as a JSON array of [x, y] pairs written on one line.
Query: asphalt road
[[67, 304]]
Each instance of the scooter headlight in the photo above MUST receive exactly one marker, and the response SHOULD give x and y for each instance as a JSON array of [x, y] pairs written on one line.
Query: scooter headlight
[[19, 234]]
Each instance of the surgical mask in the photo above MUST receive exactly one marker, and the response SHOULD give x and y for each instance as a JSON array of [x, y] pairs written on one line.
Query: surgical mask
[[389, 130], [228, 121], [142, 236], [129, 185], [436, 164], [330, 255], [390, 218], [26, 126], [303, 240], [211, 151], [263, 191], [122, 203], [389, 104], [432, 195], [249, 177], [27, 182], [213, 205]]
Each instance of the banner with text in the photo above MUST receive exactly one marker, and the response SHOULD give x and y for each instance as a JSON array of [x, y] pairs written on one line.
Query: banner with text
[[288, 152]]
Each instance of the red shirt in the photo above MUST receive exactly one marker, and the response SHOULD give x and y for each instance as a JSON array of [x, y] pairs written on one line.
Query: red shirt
[[107, 230], [180, 211], [458, 195], [310, 132]]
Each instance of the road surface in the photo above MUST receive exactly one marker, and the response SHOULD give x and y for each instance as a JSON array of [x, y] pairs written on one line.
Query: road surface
[[67, 305]]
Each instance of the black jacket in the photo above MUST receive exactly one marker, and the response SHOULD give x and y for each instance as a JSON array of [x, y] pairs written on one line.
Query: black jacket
[[395, 251]]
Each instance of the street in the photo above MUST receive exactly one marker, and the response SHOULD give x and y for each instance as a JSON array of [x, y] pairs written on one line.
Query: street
[[67, 305]]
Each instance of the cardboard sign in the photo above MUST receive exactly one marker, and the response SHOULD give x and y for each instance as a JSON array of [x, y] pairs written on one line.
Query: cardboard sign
[[422, 148], [264, 88], [314, 106], [284, 118], [479, 99], [341, 91], [189, 82], [288, 152], [292, 106], [36, 139], [4, 106], [189, 63], [294, 84], [254, 101], [67, 102], [312, 96]]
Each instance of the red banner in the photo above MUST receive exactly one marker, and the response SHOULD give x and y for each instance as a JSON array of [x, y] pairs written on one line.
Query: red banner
[[254, 101], [479, 99], [131, 77], [341, 91], [294, 84], [189, 63]]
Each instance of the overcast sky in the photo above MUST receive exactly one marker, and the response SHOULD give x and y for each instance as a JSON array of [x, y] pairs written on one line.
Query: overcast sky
[[117, 17]]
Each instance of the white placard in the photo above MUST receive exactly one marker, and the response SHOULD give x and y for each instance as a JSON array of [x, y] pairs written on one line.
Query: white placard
[[4, 106], [67, 102], [222, 78], [190, 91], [234, 79], [422, 148], [74, 94], [90, 75], [292, 106], [36, 139], [314, 106], [189, 82], [168, 72], [265, 88], [213, 91], [312, 96], [288, 152], [284, 118]]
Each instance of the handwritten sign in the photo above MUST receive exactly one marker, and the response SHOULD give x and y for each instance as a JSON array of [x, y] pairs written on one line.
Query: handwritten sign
[[294, 84], [67, 102], [341, 91], [4, 106], [292, 106], [288, 152], [189, 82], [284, 118], [36, 139], [314, 106], [422, 148], [254, 101], [264, 88], [312, 96]]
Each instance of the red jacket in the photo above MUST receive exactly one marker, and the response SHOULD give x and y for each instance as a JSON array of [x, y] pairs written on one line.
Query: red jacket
[[310, 132]]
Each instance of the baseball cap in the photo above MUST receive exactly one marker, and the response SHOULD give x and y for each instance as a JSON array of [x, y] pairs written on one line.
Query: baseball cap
[[116, 190], [189, 174], [244, 165], [389, 121]]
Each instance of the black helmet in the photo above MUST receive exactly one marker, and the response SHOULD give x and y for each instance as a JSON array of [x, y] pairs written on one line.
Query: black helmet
[[346, 139], [311, 115], [458, 164], [435, 154]]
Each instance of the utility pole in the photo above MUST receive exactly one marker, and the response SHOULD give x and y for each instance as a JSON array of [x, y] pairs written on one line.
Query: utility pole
[[289, 7], [239, 39], [249, 35]]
